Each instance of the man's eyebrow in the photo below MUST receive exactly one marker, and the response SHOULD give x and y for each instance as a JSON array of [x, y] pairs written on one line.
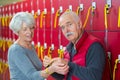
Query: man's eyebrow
[[68, 22]]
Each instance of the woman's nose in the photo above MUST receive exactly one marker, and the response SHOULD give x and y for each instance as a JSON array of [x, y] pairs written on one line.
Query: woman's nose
[[29, 30]]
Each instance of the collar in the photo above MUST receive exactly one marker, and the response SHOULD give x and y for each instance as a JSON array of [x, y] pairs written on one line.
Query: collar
[[78, 43]]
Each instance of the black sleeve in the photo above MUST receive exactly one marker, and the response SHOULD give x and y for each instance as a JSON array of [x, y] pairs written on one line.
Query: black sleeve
[[95, 61], [58, 76]]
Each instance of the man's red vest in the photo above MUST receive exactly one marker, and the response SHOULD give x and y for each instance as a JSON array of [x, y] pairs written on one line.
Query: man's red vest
[[82, 47]]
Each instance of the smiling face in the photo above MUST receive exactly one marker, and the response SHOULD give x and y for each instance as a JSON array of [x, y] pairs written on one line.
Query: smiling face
[[26, 33], [70, 27]]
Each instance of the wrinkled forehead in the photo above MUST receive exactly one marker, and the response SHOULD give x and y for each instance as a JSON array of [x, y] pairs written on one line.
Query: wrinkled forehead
[[64, 19], [25, 25]]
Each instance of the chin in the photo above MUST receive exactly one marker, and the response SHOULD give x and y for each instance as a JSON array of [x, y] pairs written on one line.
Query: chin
[[29, 40], [69, 39]]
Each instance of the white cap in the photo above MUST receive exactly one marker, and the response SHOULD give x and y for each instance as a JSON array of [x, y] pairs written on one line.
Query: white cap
[[119, 58], [38, 44], [45, 45], [52, 46]]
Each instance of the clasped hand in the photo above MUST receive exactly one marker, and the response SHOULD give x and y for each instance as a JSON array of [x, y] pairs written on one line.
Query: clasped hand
[[58, 65]]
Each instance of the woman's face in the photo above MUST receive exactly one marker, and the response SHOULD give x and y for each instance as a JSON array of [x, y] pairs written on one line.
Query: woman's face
[[26, 33]]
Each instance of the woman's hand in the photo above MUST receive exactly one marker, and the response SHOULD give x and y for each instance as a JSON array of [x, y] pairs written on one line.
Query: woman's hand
[[47, 61]]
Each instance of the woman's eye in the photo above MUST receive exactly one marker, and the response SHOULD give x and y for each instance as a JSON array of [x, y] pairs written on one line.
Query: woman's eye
[[32, 28]]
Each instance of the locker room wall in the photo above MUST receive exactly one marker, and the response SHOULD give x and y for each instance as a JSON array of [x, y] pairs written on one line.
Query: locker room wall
[[49, 34]]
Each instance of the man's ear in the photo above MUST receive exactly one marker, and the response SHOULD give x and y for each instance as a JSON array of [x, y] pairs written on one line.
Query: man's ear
[[80, 24], [78, 27]]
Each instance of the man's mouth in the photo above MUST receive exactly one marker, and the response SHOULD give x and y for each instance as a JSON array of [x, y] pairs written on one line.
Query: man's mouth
[[69, 34]]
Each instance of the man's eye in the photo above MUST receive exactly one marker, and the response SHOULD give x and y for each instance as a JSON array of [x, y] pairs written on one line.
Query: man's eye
[[70, 24], [63, 27]]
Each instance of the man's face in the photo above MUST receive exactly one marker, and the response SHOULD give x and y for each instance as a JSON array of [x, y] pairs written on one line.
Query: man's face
[[26, 33], [70, 28]]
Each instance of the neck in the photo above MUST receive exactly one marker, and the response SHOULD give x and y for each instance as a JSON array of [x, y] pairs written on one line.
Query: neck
[[24, 44], [80, 35]]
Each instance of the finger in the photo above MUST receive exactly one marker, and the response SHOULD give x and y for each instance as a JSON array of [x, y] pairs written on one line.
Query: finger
[[56, 59], [46, 57], [46, 63], [59, 64], [63, 72]]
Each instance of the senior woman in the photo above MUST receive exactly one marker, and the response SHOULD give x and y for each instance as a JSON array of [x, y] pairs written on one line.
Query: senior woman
[[23, 61]]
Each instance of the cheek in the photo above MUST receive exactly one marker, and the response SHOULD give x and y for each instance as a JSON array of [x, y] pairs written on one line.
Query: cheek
[[76, 34], [21, 34], [32, 34], [78, 27], [32, 31]]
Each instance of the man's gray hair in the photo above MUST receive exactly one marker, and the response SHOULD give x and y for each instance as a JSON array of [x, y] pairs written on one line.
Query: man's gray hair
[[75, 17], [20, 18]]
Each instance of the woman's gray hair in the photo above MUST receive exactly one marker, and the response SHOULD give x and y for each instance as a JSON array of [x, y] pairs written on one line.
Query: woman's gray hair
[[20, 18]]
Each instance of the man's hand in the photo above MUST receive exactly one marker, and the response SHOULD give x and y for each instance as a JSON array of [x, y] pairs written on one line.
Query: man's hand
[[60, 67]]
